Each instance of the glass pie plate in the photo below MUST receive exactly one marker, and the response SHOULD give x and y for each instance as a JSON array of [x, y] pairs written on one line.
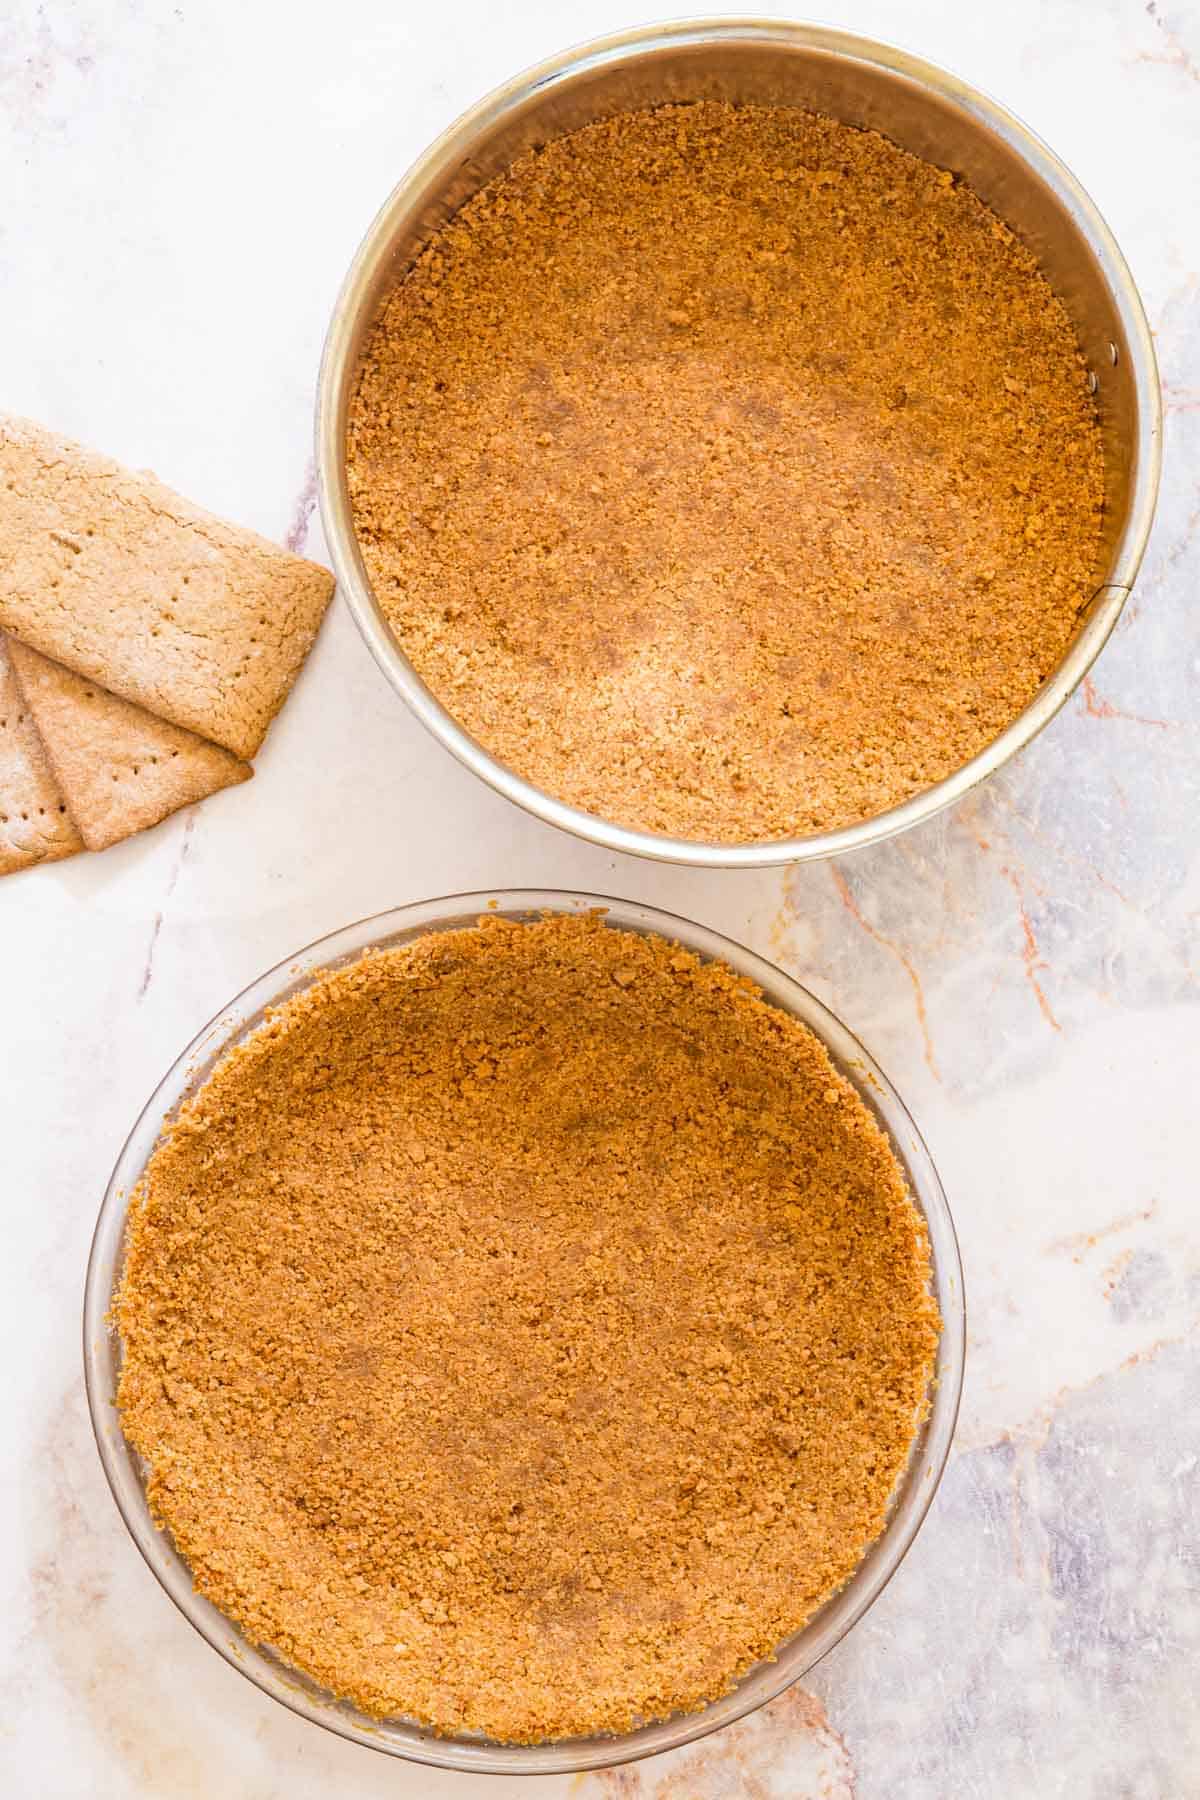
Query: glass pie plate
[[403, 1737]]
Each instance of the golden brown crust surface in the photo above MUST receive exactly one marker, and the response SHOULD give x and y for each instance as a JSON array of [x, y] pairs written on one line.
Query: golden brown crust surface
[[728, 472], [525, 1329], [118, 578], [120, 768]]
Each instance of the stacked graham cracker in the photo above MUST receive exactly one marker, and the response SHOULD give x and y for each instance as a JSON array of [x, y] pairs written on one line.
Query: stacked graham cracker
[[149, 645]]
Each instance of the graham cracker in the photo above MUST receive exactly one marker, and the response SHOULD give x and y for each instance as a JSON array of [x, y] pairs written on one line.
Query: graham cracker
[[120, 768], [121, 580], [35, 825]]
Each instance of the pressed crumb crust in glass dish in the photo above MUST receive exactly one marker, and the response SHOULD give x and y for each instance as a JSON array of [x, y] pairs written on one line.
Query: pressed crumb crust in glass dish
[[727, 472], [525, 1329]]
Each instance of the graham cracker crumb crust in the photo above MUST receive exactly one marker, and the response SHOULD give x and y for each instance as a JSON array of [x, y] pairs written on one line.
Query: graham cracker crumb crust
[[727, 471], [525, 1329]]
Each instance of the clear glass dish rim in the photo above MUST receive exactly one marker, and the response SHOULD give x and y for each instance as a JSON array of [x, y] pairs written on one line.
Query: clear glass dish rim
[[567, 1756]]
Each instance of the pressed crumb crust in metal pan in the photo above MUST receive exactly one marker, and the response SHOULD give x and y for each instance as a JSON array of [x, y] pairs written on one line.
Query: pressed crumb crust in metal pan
[[525, 1329], [727, 471]]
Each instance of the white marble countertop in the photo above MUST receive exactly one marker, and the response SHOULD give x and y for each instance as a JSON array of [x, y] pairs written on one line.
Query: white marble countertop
[[183, 187]]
